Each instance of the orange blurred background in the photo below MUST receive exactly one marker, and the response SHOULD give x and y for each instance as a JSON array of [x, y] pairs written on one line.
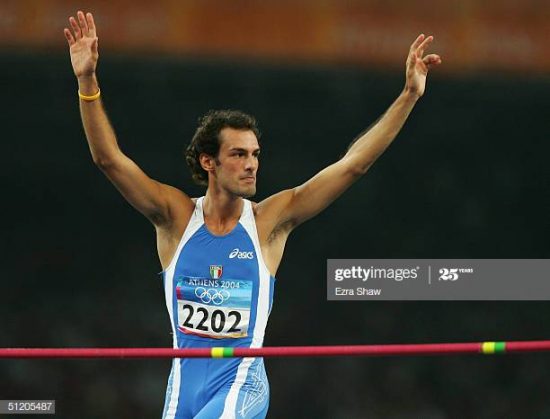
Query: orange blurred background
[[503, 35]]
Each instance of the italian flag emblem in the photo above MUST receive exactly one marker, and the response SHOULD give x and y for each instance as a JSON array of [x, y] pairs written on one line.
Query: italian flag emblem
[[216, 271]]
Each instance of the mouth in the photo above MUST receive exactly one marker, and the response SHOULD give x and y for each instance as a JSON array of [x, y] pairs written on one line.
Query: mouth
[[249, 179]]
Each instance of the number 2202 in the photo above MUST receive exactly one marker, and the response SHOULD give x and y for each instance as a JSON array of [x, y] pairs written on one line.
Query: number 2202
[[217, 319]]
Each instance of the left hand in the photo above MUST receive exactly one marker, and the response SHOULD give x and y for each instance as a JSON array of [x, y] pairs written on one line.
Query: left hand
[[418, 65]]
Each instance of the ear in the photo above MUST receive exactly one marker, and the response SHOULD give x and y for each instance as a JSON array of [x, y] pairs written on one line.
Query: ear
[[207, 162]]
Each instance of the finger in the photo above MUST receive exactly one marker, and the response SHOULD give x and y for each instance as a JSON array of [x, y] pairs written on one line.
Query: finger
[[91, 24], [424, 45], [76, 28], [69, 36], [432, 60], [412, 58], [417, 42], [83, 23]]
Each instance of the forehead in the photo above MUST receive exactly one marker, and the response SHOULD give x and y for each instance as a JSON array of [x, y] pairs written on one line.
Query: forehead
[[237, 138]]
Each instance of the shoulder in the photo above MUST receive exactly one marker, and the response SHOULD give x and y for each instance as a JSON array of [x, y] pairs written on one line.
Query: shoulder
[[180, 208], [269, 214], [274, 205]]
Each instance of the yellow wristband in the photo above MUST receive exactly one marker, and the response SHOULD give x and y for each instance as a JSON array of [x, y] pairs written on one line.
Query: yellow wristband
[[90, 98]]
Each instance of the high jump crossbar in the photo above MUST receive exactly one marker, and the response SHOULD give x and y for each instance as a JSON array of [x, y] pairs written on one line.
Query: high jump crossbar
[[487, 348]]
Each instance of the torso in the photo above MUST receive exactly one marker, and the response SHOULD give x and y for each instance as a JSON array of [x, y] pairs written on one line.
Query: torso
[[218, 293]]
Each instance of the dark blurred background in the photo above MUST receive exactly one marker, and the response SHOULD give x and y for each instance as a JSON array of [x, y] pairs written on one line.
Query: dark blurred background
[[466, 178]]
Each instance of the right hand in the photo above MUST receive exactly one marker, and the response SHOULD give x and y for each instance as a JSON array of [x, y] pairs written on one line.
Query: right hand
[[82, 44]]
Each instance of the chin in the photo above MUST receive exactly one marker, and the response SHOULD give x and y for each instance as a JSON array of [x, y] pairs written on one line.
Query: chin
[[247, 193]]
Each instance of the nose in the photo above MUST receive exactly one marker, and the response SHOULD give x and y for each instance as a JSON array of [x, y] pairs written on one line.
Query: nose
[[251, 163]]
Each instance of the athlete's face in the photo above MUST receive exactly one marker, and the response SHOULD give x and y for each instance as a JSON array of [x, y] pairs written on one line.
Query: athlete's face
[[237, 163]]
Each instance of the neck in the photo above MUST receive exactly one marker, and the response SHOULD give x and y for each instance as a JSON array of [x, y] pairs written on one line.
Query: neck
[[221, 208]]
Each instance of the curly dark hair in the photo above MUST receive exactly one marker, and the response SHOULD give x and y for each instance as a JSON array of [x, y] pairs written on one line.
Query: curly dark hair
[[207, 138]]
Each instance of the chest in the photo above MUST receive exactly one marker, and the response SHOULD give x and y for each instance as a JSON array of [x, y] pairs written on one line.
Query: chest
[[213, 257]]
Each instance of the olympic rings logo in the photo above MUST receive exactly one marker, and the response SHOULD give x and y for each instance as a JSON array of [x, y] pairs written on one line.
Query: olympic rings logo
[[212, 295]]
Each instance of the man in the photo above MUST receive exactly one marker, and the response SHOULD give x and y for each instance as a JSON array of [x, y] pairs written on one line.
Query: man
[[220, 252]]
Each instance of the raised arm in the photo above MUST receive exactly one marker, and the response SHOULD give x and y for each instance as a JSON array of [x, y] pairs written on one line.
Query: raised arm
[[294, 206], [158, 202]]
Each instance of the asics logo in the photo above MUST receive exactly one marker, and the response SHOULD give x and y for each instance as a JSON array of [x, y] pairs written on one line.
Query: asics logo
[[212, 295], [236, 253]]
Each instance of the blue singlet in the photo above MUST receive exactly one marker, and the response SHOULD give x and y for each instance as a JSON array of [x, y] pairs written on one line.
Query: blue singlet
[[218, 293]]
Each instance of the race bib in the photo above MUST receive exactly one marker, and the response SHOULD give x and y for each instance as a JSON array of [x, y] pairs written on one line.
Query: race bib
[[214, 308]]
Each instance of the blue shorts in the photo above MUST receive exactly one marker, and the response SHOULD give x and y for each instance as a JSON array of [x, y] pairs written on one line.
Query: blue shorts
[[216, 388]]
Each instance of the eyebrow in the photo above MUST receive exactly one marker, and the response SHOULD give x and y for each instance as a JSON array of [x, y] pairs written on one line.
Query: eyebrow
[[257, 150]]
